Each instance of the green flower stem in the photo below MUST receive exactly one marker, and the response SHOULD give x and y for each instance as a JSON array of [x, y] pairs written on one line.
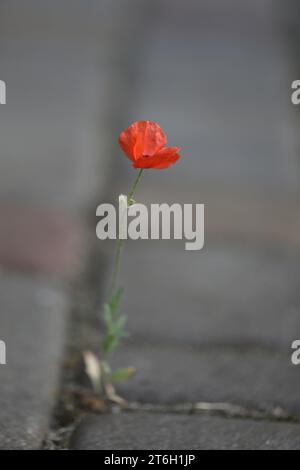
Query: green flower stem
[[116, 267], [114, 322], [120, 242], [137, 180]]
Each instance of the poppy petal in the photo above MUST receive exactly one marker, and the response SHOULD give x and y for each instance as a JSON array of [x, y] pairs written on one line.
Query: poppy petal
[[168, 156], [127, 140], [161, 160], [142, 138], [150, 139]]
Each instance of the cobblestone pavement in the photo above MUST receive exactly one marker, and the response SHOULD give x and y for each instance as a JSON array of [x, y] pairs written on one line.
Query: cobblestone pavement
[[177, 432], [214, 326], [211, 331]]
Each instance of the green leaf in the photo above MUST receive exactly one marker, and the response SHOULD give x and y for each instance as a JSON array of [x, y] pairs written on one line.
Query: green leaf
[[109, 343], [116, 299], [119, 324], [114, 323], [120, 375], [107, 315]]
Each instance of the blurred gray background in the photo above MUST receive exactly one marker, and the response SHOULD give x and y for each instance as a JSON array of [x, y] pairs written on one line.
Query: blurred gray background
[[215, 325]]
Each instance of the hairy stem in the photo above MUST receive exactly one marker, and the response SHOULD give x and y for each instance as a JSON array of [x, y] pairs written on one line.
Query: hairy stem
[[120, 242]]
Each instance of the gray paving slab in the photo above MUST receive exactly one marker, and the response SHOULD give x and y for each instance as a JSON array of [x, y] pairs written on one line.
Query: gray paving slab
[[176, 432], [33, 314], [249, 376], [216, 296]]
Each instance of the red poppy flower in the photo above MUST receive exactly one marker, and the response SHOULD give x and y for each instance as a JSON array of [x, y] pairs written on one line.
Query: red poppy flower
[[144, 143]]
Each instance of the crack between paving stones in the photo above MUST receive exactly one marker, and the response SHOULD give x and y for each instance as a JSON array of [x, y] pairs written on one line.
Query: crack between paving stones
[[59, 439], [206, 346], [224, 409]]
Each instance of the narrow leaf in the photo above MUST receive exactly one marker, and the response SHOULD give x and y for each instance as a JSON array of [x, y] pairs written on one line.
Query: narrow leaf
[[120, 375], [116, 299]]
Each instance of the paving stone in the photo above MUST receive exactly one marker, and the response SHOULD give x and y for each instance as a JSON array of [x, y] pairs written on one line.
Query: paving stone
[[254, 377], [218, 295], [176, 432], [32, 324], [48, 242]]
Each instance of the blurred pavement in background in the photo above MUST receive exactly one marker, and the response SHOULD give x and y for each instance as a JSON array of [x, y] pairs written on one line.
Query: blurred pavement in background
[[210, 326]]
